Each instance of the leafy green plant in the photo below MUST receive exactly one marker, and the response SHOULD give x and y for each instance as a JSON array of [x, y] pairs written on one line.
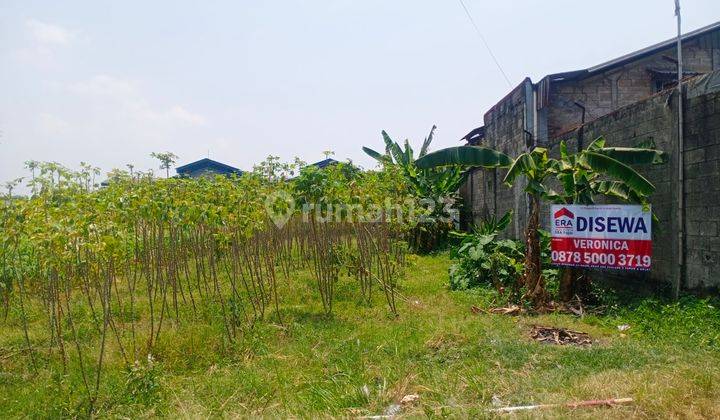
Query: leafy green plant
[[143, 382], [438, 185], [167, 160], [482, 259]]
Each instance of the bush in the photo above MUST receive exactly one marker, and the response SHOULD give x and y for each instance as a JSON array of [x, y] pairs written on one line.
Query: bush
[[142, 384], [482, 259]]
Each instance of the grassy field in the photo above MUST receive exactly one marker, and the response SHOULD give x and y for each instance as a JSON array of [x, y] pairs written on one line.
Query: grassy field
[[360, 361]]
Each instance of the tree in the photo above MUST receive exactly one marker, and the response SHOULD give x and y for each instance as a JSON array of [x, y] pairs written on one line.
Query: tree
[[599, 171], [535, 167], [428, 182], [167, 159], [594, 171], [10, 186]]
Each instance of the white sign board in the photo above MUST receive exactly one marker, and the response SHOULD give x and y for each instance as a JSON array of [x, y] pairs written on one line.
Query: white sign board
[[601, 236]]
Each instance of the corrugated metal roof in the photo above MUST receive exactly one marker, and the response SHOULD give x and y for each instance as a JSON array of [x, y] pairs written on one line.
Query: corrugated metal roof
[[475, 136], [325, 163], [647, 51]]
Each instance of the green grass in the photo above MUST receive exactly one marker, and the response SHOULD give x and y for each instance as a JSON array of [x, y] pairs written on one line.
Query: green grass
[[360, 360]]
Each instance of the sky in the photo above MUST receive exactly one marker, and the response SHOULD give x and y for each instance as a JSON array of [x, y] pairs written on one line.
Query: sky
[[110, 82]]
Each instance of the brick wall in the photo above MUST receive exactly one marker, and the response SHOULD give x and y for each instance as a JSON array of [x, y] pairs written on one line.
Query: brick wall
[[506, 126]]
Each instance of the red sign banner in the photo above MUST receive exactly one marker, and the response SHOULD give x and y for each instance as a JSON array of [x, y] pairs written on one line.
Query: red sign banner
[[601, 236]]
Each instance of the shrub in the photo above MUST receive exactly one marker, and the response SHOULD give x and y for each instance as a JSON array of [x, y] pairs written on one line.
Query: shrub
[[482, 259]]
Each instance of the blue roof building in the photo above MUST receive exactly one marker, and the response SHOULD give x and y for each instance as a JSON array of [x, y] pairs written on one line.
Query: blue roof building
[[206, 167], [325, 163]]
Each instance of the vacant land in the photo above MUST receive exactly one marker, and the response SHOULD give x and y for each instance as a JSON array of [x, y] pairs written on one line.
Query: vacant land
[[360, 360]]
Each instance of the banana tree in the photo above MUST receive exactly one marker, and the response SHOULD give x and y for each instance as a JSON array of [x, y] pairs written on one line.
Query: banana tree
[[535, 166], [599, 171], [425, 183], [433, 184], [583, 176], [592, 172]]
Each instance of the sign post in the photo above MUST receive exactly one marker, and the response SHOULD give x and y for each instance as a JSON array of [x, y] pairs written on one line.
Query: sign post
[[601, 236]]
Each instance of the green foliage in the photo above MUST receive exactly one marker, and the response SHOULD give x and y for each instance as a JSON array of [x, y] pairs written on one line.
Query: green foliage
[[332, 185], [465, 156], [493, 225], [143, 382], [436, 187], [167, 159], [423, 182], [596, 170], [483, 260], [358, 361]]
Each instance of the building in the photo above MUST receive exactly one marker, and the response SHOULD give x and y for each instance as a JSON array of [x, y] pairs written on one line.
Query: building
[[627, 100], [206, 167], [325, 163]]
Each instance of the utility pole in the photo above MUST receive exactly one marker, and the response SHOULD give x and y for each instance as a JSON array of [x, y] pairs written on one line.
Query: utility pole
[[681, 161]]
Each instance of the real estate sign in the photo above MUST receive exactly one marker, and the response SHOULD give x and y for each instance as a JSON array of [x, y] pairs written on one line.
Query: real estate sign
[[601, 236]]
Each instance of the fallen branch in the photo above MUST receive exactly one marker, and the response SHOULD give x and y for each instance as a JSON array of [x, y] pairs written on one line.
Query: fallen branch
[[591, 403]]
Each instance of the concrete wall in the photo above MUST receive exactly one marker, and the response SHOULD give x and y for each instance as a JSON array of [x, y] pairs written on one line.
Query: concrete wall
[[507, 130], [702, 182], [656, 118], [620, 103]]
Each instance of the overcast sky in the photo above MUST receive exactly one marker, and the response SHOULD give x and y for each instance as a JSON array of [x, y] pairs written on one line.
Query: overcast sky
[[109, 82]]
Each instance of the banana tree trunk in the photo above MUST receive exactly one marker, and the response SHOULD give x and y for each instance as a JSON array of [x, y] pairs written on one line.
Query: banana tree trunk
[[532, 277], [567, 280], [574, 282]]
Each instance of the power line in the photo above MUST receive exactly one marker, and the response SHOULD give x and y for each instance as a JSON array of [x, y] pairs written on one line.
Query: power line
[[482, 38]]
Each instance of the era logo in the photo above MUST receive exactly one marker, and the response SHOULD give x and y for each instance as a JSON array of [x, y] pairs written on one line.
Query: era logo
[[564, 218]]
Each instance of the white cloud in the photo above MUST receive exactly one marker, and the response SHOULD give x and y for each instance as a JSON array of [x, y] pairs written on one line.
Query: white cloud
[[104, 85], [180, 113], [52, 124], [130, 101], [48, 34], [44, 40]]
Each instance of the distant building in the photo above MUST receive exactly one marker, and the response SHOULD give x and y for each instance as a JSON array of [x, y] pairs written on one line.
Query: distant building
[[206, 167], [325, 163]]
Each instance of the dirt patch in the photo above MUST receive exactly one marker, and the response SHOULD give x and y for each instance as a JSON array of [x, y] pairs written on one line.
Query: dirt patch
[[559, 336]]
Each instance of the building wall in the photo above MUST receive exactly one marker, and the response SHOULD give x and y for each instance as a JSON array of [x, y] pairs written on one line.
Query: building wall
[[654, 118], [702, 182], [506, 130], [621, 104], [618, 87]]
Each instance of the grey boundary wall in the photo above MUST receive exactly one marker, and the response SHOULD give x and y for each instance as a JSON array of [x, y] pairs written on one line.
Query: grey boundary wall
[[653, 118]]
